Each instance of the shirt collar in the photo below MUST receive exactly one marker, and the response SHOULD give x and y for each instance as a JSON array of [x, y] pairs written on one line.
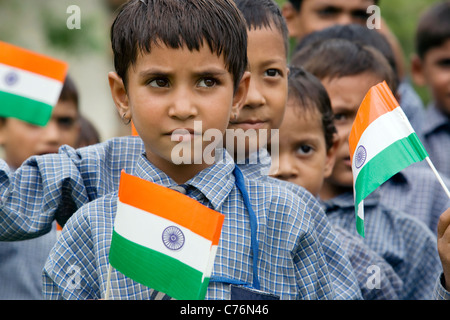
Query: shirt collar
[[434, 119], [346, 200], [257, 164], [214, 182]]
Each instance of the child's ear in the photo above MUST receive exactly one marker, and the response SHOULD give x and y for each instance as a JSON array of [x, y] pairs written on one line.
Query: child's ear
[[288, 11], [417, 71], [240, 96], [331, 157], [119, 95]]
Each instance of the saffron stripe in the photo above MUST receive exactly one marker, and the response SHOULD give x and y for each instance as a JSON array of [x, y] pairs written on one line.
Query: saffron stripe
[[33, 62], [384, 131], [25, 109], [378, 101], [388, 162], [155, 270], [159, 200]]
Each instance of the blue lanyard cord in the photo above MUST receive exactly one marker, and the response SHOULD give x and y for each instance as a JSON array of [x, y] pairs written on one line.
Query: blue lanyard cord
[[253, 224]]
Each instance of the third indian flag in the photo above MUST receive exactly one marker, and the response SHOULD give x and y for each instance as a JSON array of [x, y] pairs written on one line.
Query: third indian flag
[[30, 84], [382, 143], [164, 239]]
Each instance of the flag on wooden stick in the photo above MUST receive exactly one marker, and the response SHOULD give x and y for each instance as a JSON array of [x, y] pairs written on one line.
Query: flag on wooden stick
[[30, 84], [163, 239], [382, 143]]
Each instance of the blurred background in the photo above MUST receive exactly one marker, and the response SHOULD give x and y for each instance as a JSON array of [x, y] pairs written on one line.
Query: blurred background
[[41, 25]]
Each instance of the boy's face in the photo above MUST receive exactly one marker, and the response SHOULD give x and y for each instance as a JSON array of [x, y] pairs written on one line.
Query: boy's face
[[434, 71], [267, 94], [346, 95], [303, 155], [316, 15], [22, 140], [169, 89]]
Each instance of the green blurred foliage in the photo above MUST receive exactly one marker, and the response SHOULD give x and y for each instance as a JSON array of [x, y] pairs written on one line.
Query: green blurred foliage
[[45, 21]]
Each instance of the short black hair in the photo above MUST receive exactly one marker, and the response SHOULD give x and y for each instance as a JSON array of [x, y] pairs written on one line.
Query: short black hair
[[264, 14], [141, 24], [337, 58], [309, 94], [433, 28], [358, 33], [297, 4], [69, 91]]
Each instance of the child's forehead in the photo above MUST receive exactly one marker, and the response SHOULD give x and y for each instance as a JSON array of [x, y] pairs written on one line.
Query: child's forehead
[[159, 52], [303, 110]]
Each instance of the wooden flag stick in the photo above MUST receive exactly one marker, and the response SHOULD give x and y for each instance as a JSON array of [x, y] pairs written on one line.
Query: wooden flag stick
[[438, 176], [108, 283]]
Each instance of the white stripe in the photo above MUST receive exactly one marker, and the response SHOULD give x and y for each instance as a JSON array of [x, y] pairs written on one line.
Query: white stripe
[[380, 134], [361, 210], [146, 229], [30, 85]]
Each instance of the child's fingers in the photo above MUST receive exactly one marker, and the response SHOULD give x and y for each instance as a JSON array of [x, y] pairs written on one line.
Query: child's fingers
[[444, 223]]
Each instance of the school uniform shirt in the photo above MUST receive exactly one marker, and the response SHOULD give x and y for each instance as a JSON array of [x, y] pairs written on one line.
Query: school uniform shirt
[[373, 278], [416, 191], [440, 292], [290, 265], [50, 186], [54, 186], [436, 138], [403, 241], [411, 104], [21, 264]]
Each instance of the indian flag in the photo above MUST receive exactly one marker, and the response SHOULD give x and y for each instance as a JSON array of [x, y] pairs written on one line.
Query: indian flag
[[164, 239], [382, 143], [30, 84]]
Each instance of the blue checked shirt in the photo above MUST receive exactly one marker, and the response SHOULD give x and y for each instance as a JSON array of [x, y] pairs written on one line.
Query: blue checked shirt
[[403, 241], [337, 244], [436, 138], [440, 292], [291, 263], [411, 104], [416, 191]]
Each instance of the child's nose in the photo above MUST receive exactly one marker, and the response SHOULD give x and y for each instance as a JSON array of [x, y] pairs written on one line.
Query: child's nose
[[183, 106], [284, 169], [255, 97], [51, 133]]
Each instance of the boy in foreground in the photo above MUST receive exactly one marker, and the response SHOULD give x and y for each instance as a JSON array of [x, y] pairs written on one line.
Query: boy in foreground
[[165, 81]]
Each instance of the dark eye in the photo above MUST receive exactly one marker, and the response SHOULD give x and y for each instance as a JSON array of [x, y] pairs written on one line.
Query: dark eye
[[328, 12], [207, 82], [66, 122], [445, 63], [360, 15], [159, 83], [339, 117], [272, 73], [304, 149]]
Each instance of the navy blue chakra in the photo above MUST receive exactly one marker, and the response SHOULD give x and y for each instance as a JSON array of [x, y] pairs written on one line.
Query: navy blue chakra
[[360, 156], [11, 78], [173, 238]]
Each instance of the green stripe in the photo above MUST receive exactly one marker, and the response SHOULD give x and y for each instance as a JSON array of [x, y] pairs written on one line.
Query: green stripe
[[25, 109], [384, 165], [388, 162], [360, 226], [156, 270]]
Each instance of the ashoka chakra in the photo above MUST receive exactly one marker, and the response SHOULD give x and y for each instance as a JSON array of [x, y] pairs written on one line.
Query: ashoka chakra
[[173, 238], [360, 156]]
